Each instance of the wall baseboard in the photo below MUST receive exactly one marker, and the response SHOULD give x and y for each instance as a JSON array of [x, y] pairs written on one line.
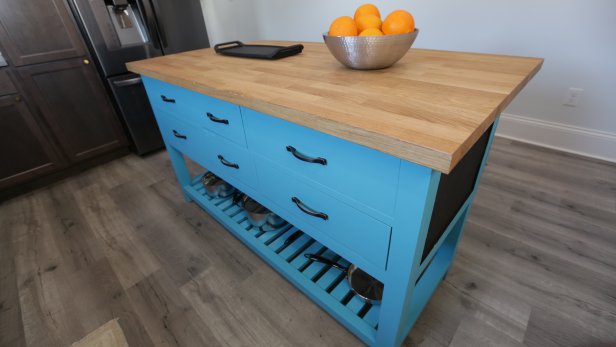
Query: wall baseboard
[[587, 142]]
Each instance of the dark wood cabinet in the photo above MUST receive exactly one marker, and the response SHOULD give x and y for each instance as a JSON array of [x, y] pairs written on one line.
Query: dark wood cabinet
[[56, 116], [73, 102], [37, 31], [25, 150]]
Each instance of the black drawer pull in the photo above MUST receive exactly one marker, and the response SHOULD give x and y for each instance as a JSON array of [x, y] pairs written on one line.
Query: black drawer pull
[[227, 163], [216, 119], [166, 99], [178, 135], [305, 158], [307, 210]]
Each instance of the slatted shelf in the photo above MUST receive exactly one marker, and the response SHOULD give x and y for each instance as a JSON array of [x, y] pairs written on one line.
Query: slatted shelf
[[323, 283]]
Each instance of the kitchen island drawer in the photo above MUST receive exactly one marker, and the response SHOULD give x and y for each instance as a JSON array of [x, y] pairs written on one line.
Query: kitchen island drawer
[[215, 115], [226, 159], [332, 222], [183, 136], [362, 174]]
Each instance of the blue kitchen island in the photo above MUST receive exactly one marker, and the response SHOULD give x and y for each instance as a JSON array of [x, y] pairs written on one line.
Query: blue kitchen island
[[376, 168]]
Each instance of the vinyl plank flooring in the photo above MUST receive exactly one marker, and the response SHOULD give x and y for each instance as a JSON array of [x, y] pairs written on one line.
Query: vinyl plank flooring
[[476, 332], [549, 328], [130, 258], [11, 324], [537, 290], [167, 315], [162, 230], [536, 265]]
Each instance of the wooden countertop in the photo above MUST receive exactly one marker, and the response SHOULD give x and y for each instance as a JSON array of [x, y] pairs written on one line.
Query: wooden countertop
[[429, 108]]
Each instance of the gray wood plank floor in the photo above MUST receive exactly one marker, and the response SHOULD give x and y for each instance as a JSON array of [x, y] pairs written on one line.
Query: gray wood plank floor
[[536, 265]]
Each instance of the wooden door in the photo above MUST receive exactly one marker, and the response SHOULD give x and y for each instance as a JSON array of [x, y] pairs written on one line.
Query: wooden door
[[37, 31], [75, 105], [25, 152]]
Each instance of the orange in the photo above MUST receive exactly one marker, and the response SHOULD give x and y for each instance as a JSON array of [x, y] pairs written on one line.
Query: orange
[[398, 22], [343, 26], [367, 21], [371, 32], [367, 9]]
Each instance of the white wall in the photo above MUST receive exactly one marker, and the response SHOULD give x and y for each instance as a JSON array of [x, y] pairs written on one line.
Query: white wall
[[231, 20], [577, 38]]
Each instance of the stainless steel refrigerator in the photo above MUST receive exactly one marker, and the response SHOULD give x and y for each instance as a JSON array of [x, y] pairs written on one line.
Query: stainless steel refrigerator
[[119, 31]]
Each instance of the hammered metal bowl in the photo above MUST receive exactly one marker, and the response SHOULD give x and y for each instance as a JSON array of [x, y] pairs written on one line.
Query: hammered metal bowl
[[369, 52]]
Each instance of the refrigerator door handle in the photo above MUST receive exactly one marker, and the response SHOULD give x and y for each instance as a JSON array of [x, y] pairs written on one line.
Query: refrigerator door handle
[[159, 24], [128, 82], [150, 23]]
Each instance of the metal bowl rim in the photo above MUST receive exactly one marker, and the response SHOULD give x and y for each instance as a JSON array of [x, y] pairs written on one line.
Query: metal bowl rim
[[358, 37]]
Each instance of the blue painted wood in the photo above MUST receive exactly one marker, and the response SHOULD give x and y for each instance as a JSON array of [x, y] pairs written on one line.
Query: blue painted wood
[[182, 136], [205, 147], [349, 165], [362, 329], [179, 166], [419, 294], [359, 216], [238, 160], [193, 107], [416, 195], [364, 236], [428, 283]]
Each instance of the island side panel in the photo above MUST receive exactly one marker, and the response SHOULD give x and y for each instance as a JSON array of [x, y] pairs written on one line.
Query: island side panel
[[414, 282], [475, 188]]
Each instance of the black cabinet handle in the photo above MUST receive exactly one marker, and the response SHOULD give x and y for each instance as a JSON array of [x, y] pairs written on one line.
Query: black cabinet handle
[[216, 119], [178, 135], [307, 210], [305, 158], [227, 163], [166, 99]]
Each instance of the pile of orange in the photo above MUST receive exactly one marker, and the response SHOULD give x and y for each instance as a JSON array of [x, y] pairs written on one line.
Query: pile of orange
[[367, 22]]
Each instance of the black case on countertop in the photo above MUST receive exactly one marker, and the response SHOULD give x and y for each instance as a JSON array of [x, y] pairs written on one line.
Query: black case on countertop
[[238, 49]]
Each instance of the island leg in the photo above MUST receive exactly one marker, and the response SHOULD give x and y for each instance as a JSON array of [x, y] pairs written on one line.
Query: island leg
[[181, 170], [417, 192]]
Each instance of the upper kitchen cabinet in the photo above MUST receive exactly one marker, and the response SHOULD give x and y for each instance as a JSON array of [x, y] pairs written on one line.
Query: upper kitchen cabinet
[[38, 31], [25, 150], [73, 103]]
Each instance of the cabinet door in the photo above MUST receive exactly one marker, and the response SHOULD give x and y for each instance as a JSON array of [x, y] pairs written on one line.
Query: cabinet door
[[37, 31], [75, 105], [25, 152]]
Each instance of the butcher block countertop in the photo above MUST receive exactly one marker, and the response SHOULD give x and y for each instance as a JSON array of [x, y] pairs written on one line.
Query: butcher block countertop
[[429, 108]]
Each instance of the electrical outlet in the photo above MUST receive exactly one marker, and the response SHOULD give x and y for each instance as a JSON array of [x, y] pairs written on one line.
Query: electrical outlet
[[572, 97]]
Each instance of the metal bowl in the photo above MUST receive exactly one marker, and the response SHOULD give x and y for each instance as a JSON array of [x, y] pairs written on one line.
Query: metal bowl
[[216, 187], [259, 215], [369, 52]]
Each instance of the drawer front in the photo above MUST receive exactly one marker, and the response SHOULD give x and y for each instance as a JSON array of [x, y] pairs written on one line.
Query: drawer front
[[226, 159], [362, 174], [183, 136], [217, 116], [330, 218]]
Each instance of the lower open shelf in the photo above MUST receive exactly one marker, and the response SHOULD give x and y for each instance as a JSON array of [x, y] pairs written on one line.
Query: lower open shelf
[[324, 284]]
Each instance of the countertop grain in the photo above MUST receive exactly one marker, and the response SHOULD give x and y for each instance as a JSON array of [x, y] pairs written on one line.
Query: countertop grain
[[429, 108]]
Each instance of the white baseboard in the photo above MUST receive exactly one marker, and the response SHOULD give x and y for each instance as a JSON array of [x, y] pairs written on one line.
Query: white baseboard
[[587, 142]]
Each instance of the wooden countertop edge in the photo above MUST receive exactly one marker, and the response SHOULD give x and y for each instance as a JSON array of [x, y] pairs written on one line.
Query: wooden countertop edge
[[437, 160], [462, 150]]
